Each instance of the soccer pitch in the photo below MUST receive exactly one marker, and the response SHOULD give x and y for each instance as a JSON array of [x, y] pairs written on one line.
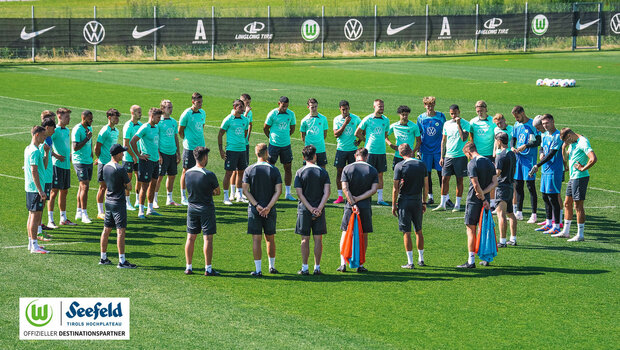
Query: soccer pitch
[[544, 293]]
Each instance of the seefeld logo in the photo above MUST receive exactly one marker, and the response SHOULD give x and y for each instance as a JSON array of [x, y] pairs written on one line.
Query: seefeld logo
[[353, 29], [540, 24], [310, 30], [254, 27], [38, 316], [93, 32], [491, 27], [95, 311], [614, 24]]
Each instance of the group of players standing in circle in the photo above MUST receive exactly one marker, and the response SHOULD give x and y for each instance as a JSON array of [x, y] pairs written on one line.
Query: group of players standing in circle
[[502, 159]]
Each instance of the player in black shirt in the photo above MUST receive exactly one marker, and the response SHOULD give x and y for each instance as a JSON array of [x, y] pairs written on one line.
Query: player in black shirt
[[313, 187], [483, 180], [117, 182], [410, 187], [262, 185], [201, 186], [359, 182]]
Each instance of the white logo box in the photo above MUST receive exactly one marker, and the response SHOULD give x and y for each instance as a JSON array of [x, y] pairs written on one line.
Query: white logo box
[[74, 318]]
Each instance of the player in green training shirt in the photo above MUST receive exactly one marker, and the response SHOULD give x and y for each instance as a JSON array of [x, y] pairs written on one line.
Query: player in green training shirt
[[169, 152], [191, 131], [313, 128], [345, 125], [106, 138], [130, 164], [35, 194], [374, 130], [279, 127], [235, 126], [237, 192], [82, 157], [61, 144], [405, 131]]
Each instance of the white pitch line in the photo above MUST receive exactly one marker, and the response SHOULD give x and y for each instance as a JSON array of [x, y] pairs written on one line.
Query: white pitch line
[[45, 244], [285, 229], [49, 103], [12, 177], [454, 218], [606, 207], [604, 190], [15, 133]]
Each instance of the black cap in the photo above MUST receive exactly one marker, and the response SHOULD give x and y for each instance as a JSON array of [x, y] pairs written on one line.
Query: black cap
[[116, 149]]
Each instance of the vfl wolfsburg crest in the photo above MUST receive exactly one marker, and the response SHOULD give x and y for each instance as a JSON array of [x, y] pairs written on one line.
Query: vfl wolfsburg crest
[[310, 30], [540, 24]]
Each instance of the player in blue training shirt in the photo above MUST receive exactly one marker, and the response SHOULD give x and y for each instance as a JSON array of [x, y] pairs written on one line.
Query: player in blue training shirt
[[524, 144], [431, 130]]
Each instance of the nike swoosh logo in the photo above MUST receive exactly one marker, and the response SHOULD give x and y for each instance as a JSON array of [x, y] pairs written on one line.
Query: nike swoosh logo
[[392, 31], [28, 36], [580, 26], [137, 35]]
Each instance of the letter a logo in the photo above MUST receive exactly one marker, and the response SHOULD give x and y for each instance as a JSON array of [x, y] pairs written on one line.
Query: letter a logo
[[445, 28], [200, 31]]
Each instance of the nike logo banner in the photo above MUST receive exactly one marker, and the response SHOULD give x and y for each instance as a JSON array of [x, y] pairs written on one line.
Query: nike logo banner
[[582, 26], [391, 31], [137, 35], [28, 36]]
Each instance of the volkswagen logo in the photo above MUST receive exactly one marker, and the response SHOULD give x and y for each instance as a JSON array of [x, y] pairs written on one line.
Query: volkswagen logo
[[431, 131], [353, 29], [254, 27], [614, 24], [94, 32], [493, 23]]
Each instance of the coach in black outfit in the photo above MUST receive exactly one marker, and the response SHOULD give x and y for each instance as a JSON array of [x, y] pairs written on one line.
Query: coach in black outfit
[[359, 182], [482, 180], [411, 182], [201, 186], [262, 185], [313, 188], [117, 181]]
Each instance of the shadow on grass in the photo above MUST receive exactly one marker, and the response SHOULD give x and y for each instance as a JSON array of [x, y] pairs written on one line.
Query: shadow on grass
[[581, 248], [112, 250]]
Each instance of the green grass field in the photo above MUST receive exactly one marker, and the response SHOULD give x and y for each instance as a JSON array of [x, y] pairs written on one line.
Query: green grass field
[[545, 293]]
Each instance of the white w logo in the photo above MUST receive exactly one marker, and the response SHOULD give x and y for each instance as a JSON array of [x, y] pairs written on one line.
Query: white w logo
[[353, 29], [94, 32]]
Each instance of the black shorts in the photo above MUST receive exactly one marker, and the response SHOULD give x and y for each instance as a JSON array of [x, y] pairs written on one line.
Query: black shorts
[[235, 161], [505, 194], [33, 202], [321, 159], [285, 153], [148, 170], [247, 154], [258, 224], [472, 212], [100, 172], [130, 167], [577, 188], [62, 179], [168, 165], [409, 210], [115, 215], [204, 221], [306, 222], [378, 161], [188, 159], [395, 161], [343, 158], [365, 217], [454, 166], [47, 188], [84, 172]]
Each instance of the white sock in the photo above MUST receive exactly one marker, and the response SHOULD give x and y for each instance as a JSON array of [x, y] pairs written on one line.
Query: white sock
[[420, 254], [35, 244], [225, 195], [515, 208], [472, 258], [188, 267], [128, 200], [513, 238], [84, 213], [430, 196], [493, 202], [137, 197], [343, 261], [580, 228], [458, 202], [288, 190], [339, 193], [155, 198], [140, 209], [39, 230], [104, 255], [99, 208], [272, 262], [30, 243], [304, 267], [208, 268], [317, 267], [257, 264], [169, 196], [239, 192], [547, 222], [233, 188], [50, 216], [410, 257], [556, 226], [380, 195], [444, 199], [502, 240], [63, 215], [518, 213], [121, 258], [566, 226], [150, 206], [561, 215], [78, 212], [184, 194]]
